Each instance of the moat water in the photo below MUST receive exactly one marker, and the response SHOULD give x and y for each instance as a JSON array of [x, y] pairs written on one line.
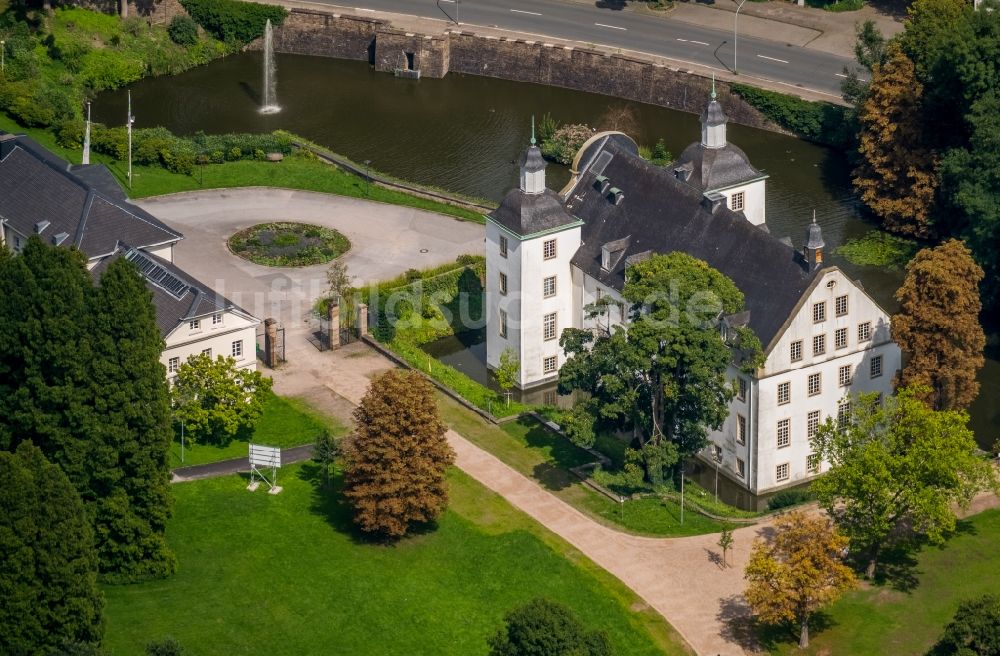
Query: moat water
[[464, 133]]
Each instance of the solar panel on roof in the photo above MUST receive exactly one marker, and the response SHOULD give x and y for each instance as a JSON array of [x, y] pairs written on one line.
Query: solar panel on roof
[[157, 274]]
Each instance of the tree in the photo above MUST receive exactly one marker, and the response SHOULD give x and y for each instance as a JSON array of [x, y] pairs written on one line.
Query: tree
[[664, 375], [725, 543], [132, 399], [546, 628], [507, 373], [619, 118], [797, 572], [216, 399], [975, 629], [325, 453], [183, 30], [938, 326], [896, 469], [896, 177], [48, 565], [338, 280], [395, 464], [869, 52], [166, 647]]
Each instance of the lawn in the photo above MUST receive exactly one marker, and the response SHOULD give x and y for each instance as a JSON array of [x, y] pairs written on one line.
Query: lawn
[[540, 454], [907, 618], [295, 172], [286, 422], [285, 574]]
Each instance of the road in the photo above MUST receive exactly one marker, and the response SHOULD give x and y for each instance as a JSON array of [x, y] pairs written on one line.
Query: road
[[684, 43]]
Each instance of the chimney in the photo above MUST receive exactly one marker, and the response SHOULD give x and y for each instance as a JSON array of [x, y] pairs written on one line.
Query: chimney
[[602, 184], [812, 251], [616, 195], [713, 201]]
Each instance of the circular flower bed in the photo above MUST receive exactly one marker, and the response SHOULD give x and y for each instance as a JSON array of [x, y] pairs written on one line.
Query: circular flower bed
[[288, 244]]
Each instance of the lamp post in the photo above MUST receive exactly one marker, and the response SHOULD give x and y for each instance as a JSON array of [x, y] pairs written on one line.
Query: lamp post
[[3, 61], [682, 492], [368, 177], [736, 36]]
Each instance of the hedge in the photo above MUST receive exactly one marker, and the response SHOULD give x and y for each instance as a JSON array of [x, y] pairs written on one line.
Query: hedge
[[820, 122], [232, 20]]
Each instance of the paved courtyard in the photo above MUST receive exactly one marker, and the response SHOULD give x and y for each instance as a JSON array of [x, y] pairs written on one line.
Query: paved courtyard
[[386, 240]]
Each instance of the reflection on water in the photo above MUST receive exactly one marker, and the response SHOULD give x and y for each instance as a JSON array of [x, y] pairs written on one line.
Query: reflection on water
[[464, 133]]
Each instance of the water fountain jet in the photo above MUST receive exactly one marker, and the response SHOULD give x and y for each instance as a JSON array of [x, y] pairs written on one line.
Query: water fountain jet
[[270, 105]]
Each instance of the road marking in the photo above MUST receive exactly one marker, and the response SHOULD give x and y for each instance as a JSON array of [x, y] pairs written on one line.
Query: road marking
[[840, 75], [613, 27], [773, 59], [451, 1], [521, 11], [362, 9], [700, 43]]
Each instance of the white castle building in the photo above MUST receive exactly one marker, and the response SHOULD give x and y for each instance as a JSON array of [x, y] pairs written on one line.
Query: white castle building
[[551, 255]]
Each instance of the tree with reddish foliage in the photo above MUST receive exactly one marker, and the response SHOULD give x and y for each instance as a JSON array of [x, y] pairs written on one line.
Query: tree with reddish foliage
[[395, 464], [938, 326]]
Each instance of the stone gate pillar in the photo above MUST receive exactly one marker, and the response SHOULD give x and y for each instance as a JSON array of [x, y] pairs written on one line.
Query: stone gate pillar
[[271, 342], [333, 337], [362, 323]]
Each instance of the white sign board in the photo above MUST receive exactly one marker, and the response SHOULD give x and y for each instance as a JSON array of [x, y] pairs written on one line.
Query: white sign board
[[265, 456]]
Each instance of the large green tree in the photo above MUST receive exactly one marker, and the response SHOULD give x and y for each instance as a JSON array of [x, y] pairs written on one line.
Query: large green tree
[[395, 463], [974, 630], [216, 399], [547, 628], [896, 177], [48, 566], [897, 468], [938, 327], [664, 375]]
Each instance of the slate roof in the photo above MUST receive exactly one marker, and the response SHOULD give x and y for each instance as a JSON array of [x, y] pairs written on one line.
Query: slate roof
[[527, 214], [177, 296], [83, 204], [707, 169], [662, 214]]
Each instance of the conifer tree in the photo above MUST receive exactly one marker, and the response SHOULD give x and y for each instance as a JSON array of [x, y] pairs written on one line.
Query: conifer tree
[[131, 397], [938, 326], [394, 466], [48, 566], [896, 178]]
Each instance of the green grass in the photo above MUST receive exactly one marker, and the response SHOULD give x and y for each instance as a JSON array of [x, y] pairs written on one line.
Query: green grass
[[536, 452], [908, 618], [286, 422], [296, 172], [286, 575]]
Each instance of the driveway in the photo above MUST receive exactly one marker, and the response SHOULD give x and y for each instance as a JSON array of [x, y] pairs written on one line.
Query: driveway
[[386, 240]]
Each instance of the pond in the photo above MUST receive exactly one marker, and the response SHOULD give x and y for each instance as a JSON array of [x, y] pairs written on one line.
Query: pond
[[464, 134]]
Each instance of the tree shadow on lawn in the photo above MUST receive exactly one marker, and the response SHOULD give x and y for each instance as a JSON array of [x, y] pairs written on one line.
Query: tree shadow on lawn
[[754, 637], [330, 504], [898, 566]]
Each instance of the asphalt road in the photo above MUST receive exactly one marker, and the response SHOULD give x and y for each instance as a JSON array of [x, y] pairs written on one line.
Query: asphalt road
[[590, 24]]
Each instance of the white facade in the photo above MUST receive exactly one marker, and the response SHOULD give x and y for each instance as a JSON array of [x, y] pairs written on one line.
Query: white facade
[[227, 333], [520, 316], [748, 198], [776, 421]]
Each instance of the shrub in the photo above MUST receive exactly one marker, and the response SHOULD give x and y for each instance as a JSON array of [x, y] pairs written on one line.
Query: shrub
[[69, 133], [788, 498], [565, 143], [234, 154], [820, 122], [183, 30], [231, 20]]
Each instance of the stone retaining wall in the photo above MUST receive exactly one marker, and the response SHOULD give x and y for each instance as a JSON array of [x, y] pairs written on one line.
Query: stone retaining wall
[[327, 34]]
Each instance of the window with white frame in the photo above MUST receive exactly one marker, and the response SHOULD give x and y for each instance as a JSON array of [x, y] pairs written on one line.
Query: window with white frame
[[207, 352], [217, 319], [864, 331], [741, 468], [716, 453], [503, 324], [173, 364], [549, 249], [812, 463], [737, 201], [819, 344], [819, 312], [812, 424], [503, 283], [549, 287], [550, 364], [843, 412], [550, 398], [784, 433], [549, 326], [840, 305], [784, 393], [781, 472], [503, 246], [741, 429], [796, 350], [840, 338], [844, 375], [876, 366], [194, 324], [741, 389], [237, 351], [815, 384]]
